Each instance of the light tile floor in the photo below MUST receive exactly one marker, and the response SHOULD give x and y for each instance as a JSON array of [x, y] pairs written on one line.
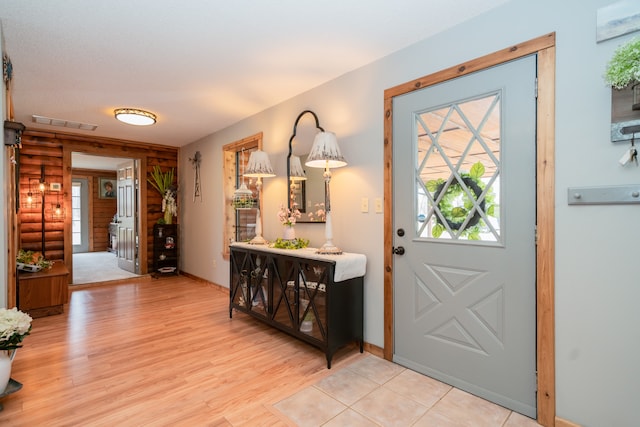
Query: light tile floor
[[376, 392]]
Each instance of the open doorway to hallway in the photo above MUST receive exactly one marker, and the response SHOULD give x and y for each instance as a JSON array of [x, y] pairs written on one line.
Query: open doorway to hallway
[[95, 219]]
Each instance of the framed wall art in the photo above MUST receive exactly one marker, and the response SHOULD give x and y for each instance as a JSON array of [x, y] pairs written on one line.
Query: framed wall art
[[106, 188], [617, 19]]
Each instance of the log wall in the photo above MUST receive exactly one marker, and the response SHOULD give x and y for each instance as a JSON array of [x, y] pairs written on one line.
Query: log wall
[[43, 159]]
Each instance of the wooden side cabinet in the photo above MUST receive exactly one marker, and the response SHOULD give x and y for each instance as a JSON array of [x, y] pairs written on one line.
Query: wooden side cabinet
[[297, 292], [165, 249], [45, 292]]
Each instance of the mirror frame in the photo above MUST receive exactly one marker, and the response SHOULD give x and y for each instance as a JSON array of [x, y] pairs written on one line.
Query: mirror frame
[[293, 135]]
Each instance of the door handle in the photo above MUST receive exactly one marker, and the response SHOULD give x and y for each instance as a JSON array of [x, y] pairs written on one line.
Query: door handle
[[399, 250]]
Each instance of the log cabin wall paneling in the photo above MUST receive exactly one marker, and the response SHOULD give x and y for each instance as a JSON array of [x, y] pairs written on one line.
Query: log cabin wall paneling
[[101, 211], [34, 159], [53, 150]]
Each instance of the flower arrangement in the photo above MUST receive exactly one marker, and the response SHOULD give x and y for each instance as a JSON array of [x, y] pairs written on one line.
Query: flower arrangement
[[14, 326], [287, 216], [31, 258], [624, 67], [169, 203], [163, 182], [319, 214]]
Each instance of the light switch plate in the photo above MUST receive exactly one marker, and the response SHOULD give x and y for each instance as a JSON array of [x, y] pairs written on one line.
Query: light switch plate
[[364, 205], [378, 205]]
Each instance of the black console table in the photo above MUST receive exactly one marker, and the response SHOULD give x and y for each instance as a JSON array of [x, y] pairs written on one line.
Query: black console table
[[315, 298]]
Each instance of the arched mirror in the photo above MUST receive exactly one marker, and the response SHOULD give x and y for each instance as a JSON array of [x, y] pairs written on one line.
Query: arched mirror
[[306, 185]]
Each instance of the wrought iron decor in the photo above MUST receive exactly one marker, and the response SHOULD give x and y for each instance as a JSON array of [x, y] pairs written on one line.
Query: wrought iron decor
[[291, 139], [195, 161]]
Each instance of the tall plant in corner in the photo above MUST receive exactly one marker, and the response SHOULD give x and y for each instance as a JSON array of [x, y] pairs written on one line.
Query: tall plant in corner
[[163, 182]]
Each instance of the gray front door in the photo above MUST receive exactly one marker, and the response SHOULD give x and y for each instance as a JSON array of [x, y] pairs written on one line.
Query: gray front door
[[127, 217], [464, 212]]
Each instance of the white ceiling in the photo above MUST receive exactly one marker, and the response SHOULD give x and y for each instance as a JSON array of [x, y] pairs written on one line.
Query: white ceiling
[[200, 65], [87, 161]]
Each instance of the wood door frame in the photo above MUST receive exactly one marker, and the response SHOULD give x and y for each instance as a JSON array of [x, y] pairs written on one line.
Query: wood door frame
[[141, 220], [544, 48]]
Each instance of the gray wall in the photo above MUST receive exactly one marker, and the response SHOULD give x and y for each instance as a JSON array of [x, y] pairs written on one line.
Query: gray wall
[[597, 286]]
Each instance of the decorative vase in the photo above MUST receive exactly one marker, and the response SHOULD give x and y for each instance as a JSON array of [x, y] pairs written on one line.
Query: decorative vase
[[306, 326], [168, 218], [6, 358], [289, 232]]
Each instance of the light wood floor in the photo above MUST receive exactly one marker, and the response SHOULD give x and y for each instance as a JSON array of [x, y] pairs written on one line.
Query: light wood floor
[[158, 352]]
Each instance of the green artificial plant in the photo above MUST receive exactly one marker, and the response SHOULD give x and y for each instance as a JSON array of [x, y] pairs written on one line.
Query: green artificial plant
[[161, 181], [624, 67]]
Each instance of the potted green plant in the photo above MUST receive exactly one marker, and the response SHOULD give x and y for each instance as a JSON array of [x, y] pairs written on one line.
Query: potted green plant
[[623, 70], [14, 326]]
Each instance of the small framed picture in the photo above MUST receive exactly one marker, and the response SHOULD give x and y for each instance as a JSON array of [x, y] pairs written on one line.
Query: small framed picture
[[106, 188]]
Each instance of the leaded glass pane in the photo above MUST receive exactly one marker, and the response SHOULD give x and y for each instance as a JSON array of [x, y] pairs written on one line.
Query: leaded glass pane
[[458, 171]]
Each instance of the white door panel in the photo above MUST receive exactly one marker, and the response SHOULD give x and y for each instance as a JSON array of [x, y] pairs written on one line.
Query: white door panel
[[127, 217]]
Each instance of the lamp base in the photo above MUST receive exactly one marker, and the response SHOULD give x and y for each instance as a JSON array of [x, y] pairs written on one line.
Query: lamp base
[[329, 249], [258, 240]]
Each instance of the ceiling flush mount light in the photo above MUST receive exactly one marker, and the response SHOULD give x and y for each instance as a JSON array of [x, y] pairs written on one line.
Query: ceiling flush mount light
[[134, 116]]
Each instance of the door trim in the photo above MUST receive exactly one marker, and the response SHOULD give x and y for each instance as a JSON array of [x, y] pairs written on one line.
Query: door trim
[[75, 145], [544, 48]]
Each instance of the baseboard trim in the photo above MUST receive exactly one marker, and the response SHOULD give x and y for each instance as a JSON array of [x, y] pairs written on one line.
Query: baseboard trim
[[374, 349], [81, 286], [201, 280], [564, 423]]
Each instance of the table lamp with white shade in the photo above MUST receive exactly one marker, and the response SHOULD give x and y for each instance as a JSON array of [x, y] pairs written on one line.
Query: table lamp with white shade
[[325, 153], [259, 167]]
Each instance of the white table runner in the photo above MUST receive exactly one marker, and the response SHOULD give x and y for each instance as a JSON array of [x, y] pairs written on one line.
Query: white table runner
[[348, 265]]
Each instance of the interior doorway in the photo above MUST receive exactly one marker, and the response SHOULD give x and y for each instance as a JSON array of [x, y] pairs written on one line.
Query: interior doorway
[[95, 217]]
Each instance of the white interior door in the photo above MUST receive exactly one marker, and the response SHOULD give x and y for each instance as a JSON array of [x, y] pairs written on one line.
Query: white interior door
[[464, 213], [127, 217]]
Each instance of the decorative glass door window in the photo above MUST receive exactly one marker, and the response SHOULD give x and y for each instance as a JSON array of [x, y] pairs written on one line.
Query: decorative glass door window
[[457, 156]]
